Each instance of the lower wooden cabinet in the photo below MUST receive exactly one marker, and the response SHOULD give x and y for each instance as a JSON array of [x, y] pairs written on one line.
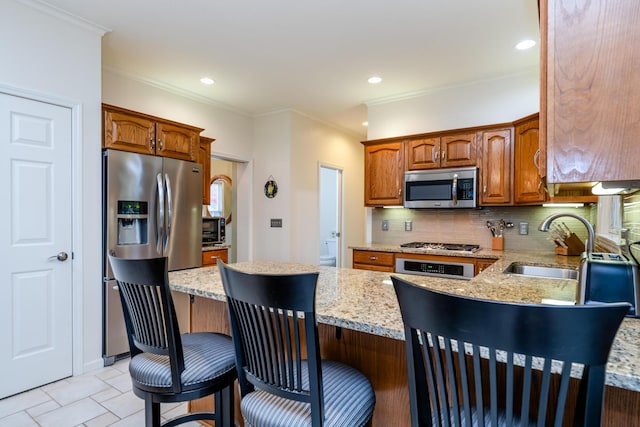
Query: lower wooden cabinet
[[482, 264], [374, 260], [211, 257]]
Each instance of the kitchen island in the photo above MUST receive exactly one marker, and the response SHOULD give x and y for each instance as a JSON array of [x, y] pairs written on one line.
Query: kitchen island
[[360, 323]]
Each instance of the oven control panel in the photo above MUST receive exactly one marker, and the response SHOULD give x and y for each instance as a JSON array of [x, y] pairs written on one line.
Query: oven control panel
[[452, 270]]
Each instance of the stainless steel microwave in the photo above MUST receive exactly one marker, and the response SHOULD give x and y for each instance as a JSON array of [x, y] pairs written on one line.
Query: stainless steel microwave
[[213, 230], [441, 188]]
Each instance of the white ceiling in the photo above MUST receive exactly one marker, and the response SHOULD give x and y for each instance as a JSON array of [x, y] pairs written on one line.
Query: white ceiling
[[312, 56]]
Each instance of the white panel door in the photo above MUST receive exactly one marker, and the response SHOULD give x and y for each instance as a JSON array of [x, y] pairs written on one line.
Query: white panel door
[[35, 244]]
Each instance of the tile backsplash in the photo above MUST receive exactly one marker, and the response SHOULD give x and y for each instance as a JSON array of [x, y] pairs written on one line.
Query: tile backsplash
[[469, 225]]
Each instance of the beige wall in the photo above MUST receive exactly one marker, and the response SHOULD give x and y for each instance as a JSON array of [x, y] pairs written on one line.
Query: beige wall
[[272, 159], [314, 144], [480, 103], [290, 147]]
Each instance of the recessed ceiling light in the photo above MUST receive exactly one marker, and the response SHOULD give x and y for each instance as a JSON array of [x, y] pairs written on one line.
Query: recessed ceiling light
[[365, 123], [374, 80], [207, 81], [525, 44]]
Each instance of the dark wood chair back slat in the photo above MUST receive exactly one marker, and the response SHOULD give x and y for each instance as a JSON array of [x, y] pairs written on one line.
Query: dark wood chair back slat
[[494, 363]]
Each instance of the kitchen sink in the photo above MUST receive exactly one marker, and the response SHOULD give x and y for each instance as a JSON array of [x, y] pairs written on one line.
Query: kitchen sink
[[541, 271]]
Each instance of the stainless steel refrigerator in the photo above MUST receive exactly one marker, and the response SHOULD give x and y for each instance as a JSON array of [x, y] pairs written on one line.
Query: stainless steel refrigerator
[[152, 207]]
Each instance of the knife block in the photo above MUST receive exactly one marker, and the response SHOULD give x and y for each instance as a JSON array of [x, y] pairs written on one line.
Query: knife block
[[575, 246], [497, 243]]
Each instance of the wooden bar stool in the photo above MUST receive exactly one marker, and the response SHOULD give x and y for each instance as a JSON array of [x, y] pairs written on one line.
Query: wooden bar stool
[[283, 381], [475, 362], [165, 365]]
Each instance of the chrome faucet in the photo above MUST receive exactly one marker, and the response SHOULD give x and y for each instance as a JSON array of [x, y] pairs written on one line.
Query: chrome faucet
[[588, 245]]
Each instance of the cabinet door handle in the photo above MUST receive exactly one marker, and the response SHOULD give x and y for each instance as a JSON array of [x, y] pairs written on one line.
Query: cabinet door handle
[[153, 143], [444, 155], [160, 144], [437, 155], [535, 160], [484, 190]]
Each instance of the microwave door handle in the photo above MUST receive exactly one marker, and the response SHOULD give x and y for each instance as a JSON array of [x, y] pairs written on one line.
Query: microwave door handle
[[169, 210], [160, 219], [454, 189]]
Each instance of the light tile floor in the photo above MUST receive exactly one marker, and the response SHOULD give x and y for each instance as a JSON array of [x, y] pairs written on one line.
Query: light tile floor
[[95, 399]]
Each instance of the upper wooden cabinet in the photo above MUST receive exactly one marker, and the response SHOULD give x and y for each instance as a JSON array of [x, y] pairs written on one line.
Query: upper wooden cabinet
[[204, 158], [441, 152], [496, 171], [529, 187], [591, 89], [383, 174], [140, 133], [422, 153]]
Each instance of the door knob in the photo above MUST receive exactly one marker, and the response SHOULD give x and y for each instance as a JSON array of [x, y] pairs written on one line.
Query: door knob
[[62, 256]]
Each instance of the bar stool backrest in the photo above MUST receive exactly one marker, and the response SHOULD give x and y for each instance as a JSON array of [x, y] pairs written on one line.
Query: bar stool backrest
[[458, 378], [273, 325]]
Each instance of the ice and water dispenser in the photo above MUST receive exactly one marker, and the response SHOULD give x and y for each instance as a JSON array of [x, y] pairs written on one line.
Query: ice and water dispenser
[[133, 218]]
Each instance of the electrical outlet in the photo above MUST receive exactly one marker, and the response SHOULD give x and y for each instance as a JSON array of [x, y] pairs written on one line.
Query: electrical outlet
[[408, 225], [385, 225], [523, 228], [276, 222]]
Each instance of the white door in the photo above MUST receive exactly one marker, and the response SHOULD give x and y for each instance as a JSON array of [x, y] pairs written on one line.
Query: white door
[[331, 209], [35, 244]]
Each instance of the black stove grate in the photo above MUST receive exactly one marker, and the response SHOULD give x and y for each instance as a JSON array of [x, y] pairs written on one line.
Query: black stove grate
[[459, 247]]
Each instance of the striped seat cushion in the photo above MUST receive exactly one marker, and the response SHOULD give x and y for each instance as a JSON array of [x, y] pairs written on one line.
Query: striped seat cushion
[[206, 356], [348, 401]]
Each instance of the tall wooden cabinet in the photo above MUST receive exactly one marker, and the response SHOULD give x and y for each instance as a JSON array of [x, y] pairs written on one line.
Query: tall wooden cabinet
[[527, 182], [591, 89], [140, 133], [383, 174], [496, 170], [204, 158]]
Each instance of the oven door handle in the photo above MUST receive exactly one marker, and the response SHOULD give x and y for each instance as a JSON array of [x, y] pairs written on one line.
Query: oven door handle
[[454, 189]]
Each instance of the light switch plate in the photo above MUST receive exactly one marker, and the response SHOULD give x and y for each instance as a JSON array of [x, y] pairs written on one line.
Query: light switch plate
[[276, 222]]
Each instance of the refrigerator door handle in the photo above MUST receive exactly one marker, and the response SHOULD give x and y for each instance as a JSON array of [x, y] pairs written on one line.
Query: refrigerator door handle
[[169, 211], [160, 222]]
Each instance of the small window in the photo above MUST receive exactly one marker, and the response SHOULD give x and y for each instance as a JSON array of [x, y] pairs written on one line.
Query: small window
[[609, 218], [216, 203]]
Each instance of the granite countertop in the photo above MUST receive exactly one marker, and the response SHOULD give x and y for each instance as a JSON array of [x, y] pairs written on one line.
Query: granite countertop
[[365, 301], [215, 247]]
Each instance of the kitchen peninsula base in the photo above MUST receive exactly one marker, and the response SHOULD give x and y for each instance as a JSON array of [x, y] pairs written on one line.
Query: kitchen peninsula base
[[383, 361]]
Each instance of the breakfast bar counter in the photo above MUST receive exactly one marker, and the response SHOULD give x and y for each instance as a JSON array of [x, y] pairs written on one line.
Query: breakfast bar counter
[[358, 310]]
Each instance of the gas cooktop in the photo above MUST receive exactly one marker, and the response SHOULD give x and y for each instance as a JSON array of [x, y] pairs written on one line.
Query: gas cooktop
[[453, 247]]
